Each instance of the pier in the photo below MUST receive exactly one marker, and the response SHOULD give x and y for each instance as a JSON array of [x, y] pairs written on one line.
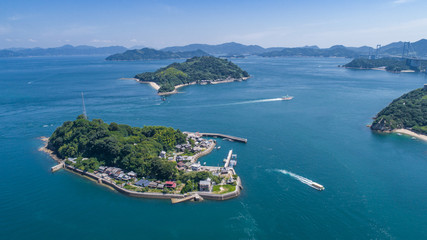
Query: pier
[[57, 167], [237, 139], [227, 160], [195, 197]]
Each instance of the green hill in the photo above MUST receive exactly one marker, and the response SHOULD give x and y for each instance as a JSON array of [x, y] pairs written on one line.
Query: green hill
[[130, 148], [390, 64], [408, 111], [152, 54], [196, 69], [334, 51]]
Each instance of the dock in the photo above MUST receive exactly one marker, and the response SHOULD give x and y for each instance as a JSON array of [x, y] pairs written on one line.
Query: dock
[[57, 167], [195, 197], [227, 160], [237, 139]]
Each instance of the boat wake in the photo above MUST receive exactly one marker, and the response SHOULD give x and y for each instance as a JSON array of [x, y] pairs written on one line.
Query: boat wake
[[303, 180], [255, 101]]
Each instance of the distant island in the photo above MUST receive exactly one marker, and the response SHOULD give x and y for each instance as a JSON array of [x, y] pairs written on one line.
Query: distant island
[[152, 54], [334, 51], [197, 70], [388, 64], [405, 114], [66, 50], [152, 161]]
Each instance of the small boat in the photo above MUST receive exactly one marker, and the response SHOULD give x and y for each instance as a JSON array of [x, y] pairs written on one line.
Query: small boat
[[163, 99], [317, 186], [287, 98]]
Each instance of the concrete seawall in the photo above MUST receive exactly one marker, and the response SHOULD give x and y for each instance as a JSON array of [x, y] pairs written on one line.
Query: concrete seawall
[[204, 153]]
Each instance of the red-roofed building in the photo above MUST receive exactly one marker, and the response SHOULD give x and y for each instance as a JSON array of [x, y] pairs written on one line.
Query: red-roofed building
[[170, 184]]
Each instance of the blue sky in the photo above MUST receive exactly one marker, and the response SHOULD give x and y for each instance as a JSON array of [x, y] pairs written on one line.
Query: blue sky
[[157, 24]]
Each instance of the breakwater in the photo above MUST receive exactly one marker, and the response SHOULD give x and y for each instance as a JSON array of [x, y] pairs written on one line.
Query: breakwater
[[220, 135], [237, 139]]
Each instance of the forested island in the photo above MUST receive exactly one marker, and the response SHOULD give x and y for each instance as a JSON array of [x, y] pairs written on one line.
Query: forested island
[[134, 160], [391, 64], [152, 54], [334, 51], [201, 70], [406, 112]]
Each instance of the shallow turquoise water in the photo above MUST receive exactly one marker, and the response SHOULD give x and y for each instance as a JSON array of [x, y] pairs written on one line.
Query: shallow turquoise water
[[375, 184]]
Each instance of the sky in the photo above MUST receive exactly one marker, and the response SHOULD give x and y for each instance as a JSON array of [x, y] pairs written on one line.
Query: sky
[[158, 24]]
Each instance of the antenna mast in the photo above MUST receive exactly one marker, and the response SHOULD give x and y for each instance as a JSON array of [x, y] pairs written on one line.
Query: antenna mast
[[84, 107]]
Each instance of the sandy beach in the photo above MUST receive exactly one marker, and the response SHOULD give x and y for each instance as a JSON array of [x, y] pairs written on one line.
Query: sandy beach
[[157, 87], [410, 133]]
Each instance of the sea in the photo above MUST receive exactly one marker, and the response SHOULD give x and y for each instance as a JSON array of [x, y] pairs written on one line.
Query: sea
[[375, 184]]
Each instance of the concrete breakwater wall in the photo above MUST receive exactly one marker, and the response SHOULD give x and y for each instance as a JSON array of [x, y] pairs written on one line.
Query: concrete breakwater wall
[[237, 139], [123, 190], [204, 153], [225, 196]]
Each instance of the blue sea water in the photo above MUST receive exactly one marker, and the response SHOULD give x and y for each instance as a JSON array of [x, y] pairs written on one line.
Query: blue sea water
[[375, 183]]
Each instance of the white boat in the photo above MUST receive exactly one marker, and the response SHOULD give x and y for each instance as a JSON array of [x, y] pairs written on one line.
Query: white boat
[[287, 98], [317, 186]]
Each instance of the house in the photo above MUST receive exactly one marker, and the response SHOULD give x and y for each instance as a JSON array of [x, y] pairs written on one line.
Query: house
[[120, 176], [125, 177], [195, 166], [132, 174], [152, 185], [160, 186], [205, 185], [102, 169], [180, 165], [143, 183], [170, 184], [73, 160], [162, 154]]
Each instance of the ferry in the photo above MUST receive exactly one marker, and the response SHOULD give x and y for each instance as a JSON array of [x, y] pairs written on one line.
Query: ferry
[[287, 98], [317, 186]]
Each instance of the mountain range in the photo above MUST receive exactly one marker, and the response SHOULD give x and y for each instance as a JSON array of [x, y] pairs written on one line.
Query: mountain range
[[393, 49]]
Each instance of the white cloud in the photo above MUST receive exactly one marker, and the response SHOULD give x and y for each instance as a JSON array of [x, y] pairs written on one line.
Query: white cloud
[[133, 40], [31, 40], [4, 30], [101, 41], [401, 1], [14, 18]]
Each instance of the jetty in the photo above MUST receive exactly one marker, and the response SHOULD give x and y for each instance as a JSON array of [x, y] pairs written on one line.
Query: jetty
[[57, 167], [227, 160], [228, 137], [195, 197]]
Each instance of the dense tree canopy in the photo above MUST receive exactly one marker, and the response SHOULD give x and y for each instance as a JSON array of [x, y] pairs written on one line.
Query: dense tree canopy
[[153, 54], [407, 111], [193, 70], [390, 64], [130, 148]]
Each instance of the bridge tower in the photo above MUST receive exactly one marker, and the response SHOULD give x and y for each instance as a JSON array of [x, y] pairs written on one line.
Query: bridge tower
[[377, 51], [84, 107]]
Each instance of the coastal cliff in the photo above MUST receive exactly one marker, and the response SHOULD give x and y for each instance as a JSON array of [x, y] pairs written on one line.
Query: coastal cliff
[[406, 112]]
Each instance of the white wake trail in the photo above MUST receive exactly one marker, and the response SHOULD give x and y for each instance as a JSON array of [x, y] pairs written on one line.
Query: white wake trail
[[256, 101], [297, 177]]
